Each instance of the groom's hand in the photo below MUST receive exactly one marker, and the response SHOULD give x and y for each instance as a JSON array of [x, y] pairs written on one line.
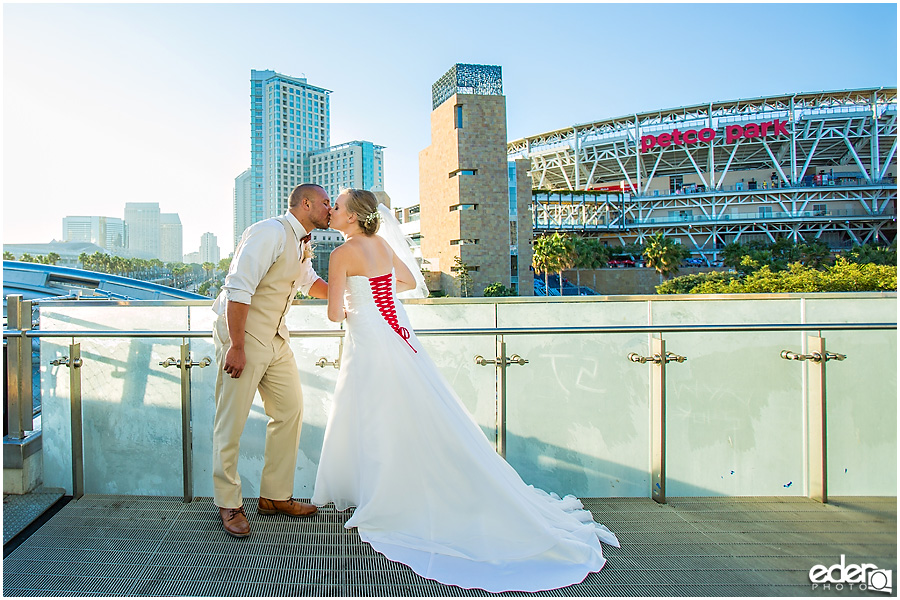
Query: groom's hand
[[235, 361]]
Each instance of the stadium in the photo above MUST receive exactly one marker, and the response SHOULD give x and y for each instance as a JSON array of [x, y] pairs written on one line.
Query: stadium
[[805, 166]]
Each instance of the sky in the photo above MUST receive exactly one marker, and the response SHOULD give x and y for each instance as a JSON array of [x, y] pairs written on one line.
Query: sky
[[105, 104]]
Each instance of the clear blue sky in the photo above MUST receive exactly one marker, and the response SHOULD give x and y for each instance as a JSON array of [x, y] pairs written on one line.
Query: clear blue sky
[[110, 103]]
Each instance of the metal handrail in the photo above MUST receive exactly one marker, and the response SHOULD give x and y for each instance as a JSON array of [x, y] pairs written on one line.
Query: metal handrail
[[328, 333]]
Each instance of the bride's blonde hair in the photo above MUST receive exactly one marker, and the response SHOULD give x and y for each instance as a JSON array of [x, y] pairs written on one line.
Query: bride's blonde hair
[[364, 205]]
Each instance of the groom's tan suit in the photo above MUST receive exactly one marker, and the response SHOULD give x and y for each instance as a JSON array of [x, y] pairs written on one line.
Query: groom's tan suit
[[270, 366]]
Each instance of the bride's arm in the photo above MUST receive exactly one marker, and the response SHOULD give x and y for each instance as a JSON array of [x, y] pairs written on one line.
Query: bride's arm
[[337, 281], [405, 279]]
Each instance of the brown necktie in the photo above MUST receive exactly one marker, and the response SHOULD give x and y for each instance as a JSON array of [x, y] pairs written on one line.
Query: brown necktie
[[305, 239]]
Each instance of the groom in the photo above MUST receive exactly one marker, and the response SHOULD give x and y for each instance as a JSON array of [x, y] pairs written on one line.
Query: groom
[[253, 353]]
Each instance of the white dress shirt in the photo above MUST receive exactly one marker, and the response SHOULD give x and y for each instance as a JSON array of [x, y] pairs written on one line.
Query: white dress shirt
[[260, 246]]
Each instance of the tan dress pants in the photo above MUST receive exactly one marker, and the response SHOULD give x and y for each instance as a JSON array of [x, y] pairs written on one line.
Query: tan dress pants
[[272, 370]]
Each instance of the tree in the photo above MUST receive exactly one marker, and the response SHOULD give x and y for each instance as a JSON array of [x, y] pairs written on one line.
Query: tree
[[463, 279], [732, 254], [157, 266], [27, 258], [872, 254], [664, 255], [8, 255], [53, 258], [225, 264], [815, 254], [209, 268], [589, 253], [553, 253], [181, 270]]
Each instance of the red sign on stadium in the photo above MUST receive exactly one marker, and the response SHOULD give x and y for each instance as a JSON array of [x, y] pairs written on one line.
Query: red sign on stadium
[[733, 133]]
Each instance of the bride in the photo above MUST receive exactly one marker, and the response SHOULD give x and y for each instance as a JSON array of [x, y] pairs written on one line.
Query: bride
[[428, 487]]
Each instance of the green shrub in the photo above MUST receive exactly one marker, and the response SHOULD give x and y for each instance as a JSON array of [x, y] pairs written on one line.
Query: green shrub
[[498, 289], [688, 284], [843, 276]]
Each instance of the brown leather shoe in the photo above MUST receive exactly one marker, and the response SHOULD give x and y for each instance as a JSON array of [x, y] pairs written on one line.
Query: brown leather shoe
[[289, 507], [235, 522]]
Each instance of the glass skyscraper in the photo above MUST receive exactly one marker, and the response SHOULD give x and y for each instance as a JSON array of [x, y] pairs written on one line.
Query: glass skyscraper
[[290, 119], [357, 164]]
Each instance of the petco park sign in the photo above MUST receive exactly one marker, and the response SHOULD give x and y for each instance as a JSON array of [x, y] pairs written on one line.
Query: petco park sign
[[732, 134]]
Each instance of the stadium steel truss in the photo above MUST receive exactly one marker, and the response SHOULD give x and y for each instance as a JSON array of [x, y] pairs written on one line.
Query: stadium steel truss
[[802, 166]]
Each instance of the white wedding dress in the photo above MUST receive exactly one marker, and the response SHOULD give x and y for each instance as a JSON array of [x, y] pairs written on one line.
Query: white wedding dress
[[429, 489]]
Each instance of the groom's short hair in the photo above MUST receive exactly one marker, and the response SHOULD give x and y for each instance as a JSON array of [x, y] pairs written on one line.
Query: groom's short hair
[[304, 190]]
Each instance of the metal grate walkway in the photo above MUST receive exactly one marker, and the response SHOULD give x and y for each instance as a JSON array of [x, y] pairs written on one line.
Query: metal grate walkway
[[135, 546]]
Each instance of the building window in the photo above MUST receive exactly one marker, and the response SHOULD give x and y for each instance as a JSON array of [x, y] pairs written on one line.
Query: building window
[[456, 207], [463, 172], [463, 242], [458, 118]]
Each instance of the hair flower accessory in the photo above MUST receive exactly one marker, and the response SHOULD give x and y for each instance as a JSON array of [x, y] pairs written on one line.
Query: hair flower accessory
[[371, 217]]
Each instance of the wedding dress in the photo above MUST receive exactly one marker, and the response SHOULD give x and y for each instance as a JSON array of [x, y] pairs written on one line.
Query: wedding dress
[[429, 489]]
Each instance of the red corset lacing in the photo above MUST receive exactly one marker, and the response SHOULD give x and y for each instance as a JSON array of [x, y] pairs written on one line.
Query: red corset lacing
[[384, 300]]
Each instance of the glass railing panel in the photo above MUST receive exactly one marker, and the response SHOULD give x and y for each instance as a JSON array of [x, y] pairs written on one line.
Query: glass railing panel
[[577, 412], [454, 355], [131, 406], [861, 407], [734, 409], [317, 384]]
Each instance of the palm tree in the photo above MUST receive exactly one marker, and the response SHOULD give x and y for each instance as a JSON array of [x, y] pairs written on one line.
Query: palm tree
[[8, 255], [590, 253], [540, 259], [225, 264], [664, 255], [872, 254], [53, 258], [209, 268], [181, 269], [157, 266], [27, 258], [554, 253], [815, 254]]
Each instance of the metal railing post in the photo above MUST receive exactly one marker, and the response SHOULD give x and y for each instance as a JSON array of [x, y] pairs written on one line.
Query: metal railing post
[[20, 411], [184, 365], [658, 423], [73, 362], [501, 362], [659, 357], [818, 436], [817, 429], [501, 396], [77, 425], [187, 440]]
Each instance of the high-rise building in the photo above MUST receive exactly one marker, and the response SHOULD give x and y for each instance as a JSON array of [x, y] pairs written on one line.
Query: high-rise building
[[171, 238], [468, 206], [106, 232], [356, 164], [241, 204], [142, 229], [289, 119], [209, 248]]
